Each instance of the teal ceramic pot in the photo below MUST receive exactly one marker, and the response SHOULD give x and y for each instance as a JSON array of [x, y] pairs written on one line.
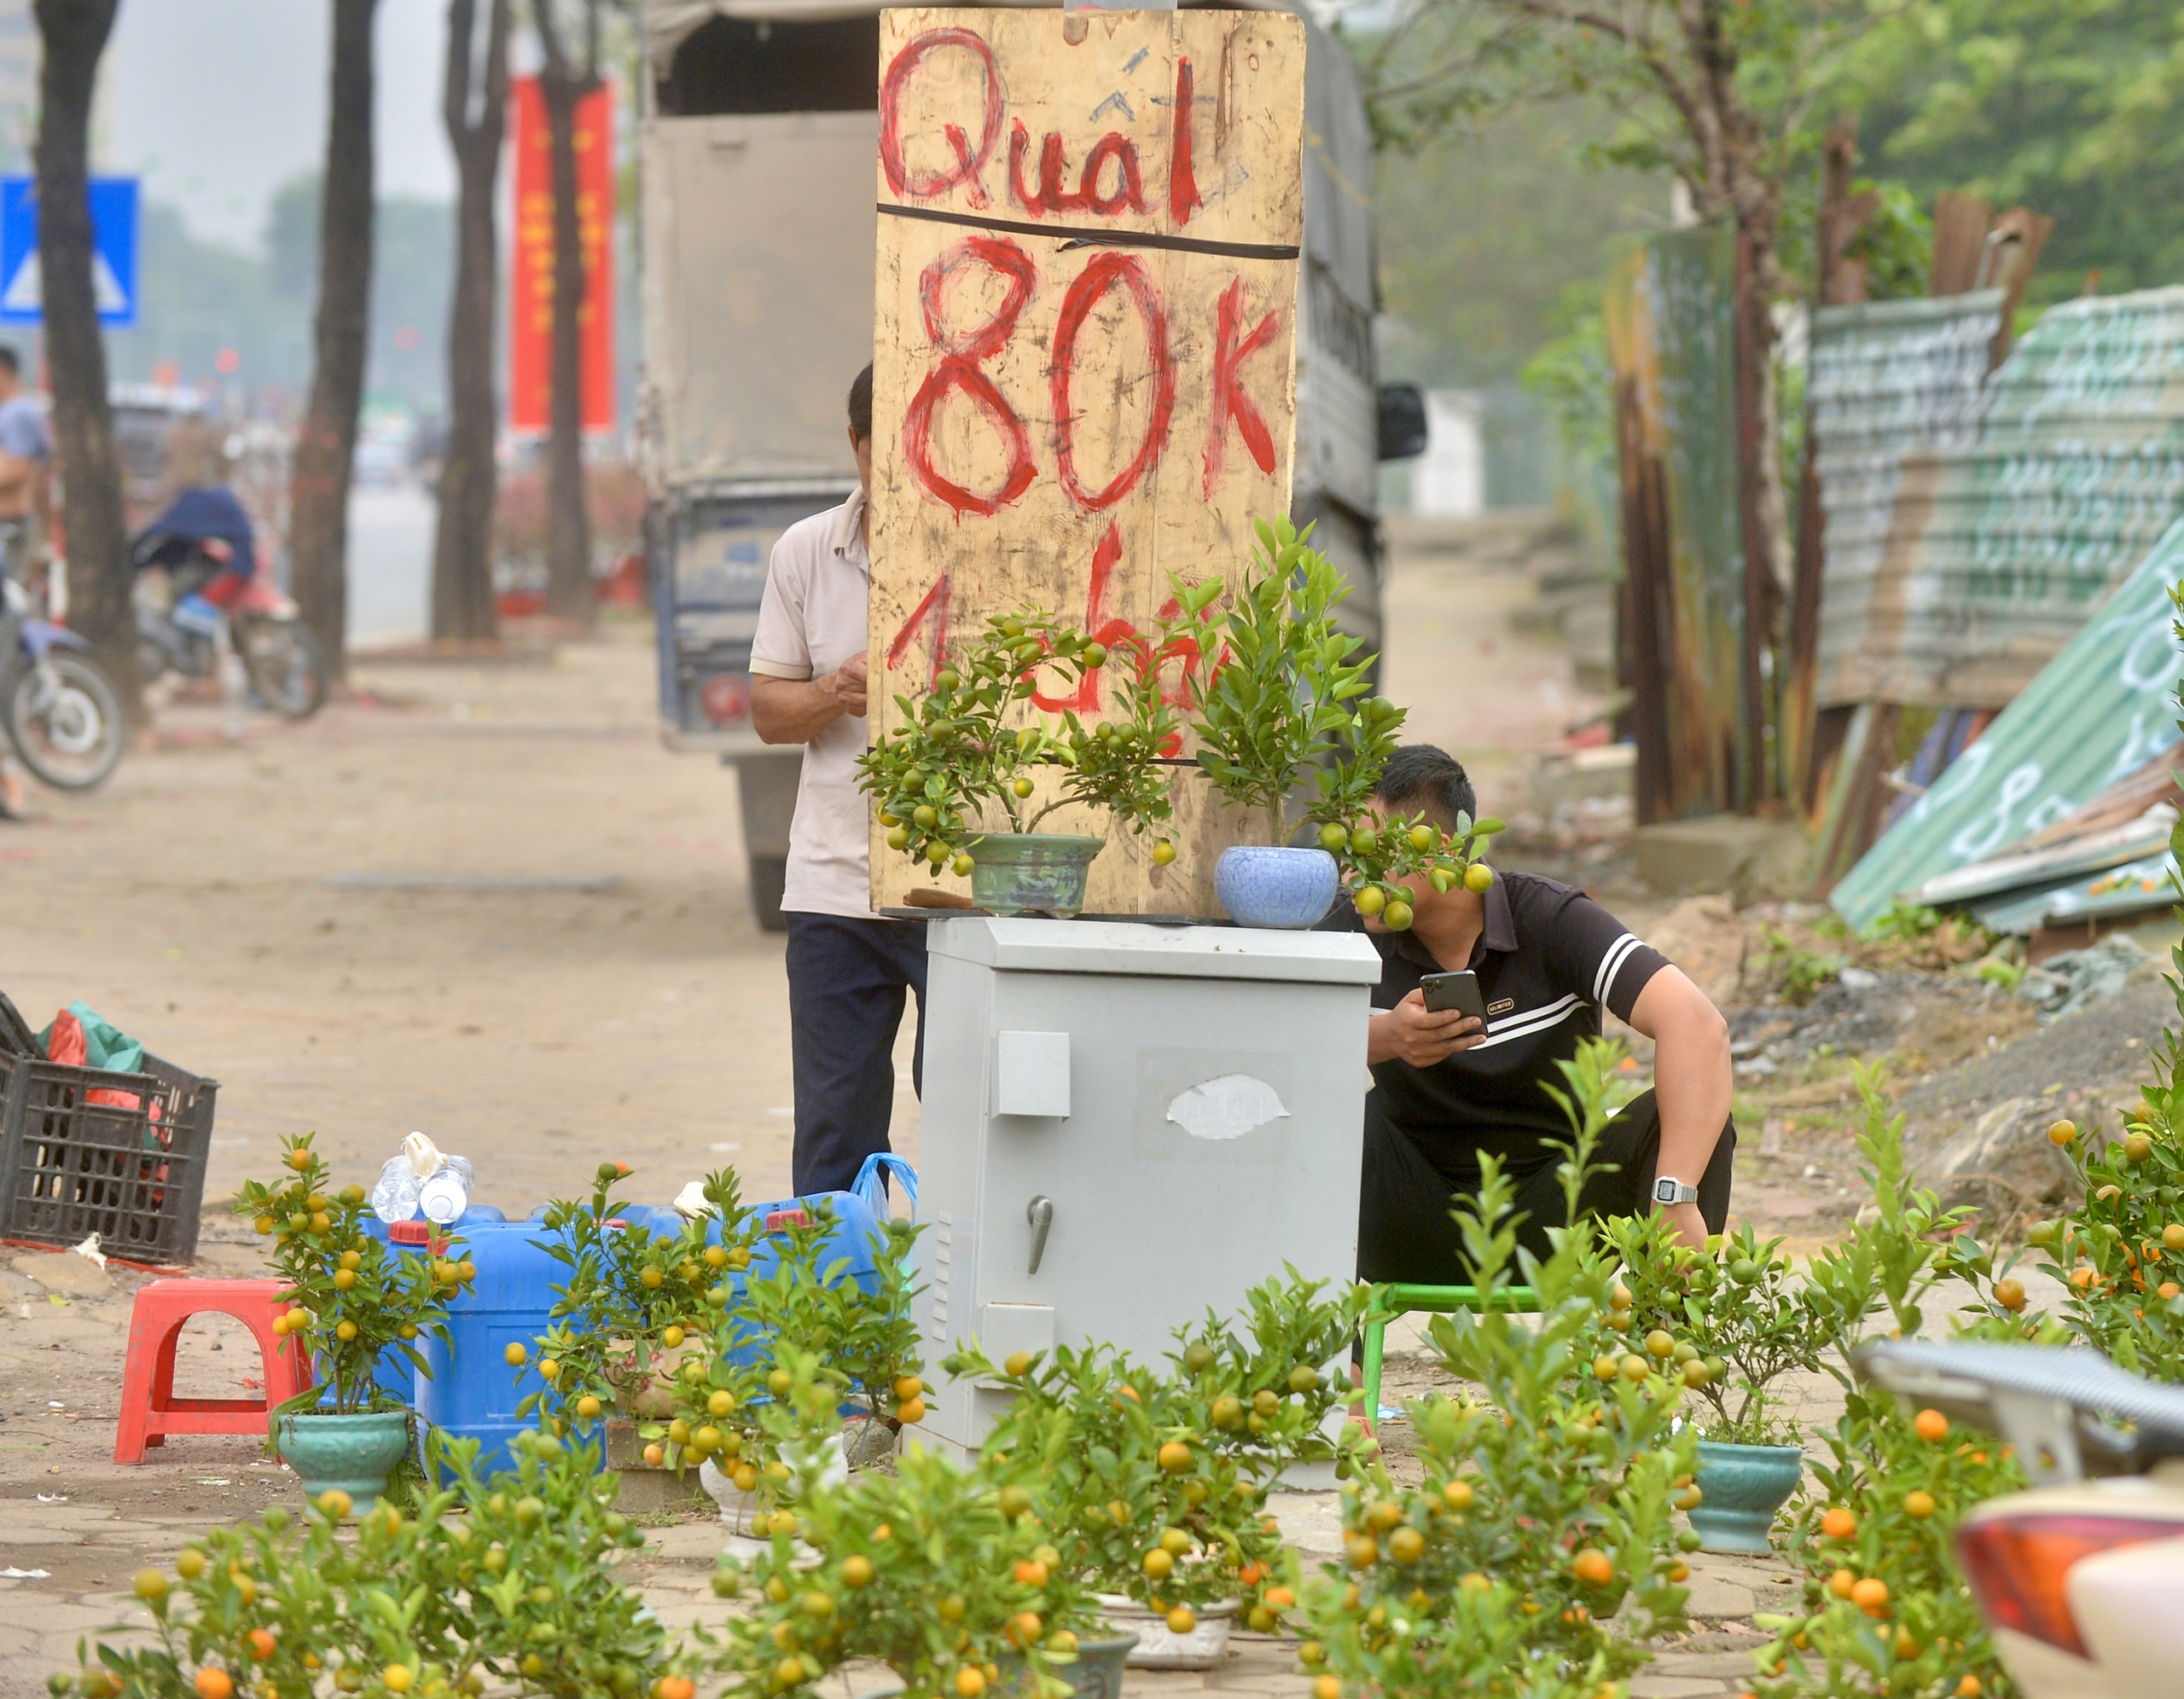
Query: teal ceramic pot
[[1096, 1674], [352, 1453], [1741, 1488], [1027, 873]]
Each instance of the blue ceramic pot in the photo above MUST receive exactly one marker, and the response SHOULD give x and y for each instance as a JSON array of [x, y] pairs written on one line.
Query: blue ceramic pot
[[1262, 884], [1020, 872], [352, 1453], [1741, 1488]]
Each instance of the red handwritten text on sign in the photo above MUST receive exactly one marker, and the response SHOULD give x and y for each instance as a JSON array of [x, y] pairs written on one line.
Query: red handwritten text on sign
[[1083, 336]]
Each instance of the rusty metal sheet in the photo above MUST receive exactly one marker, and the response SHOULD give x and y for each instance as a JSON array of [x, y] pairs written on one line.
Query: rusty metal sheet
[[1973, 526], [1671, 342]]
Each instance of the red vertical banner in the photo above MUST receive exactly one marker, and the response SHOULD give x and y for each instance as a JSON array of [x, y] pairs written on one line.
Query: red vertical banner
[[530, 275]]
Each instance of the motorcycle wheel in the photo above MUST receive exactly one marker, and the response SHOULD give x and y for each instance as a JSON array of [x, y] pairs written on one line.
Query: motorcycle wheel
[[286, 667], [64, 721]]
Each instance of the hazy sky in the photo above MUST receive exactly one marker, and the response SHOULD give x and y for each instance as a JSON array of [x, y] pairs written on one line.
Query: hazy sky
[[218, 102]]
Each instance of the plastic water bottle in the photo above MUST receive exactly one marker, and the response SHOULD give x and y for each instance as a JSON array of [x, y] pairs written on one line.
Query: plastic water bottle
[[445, 1193], [395, 1197]]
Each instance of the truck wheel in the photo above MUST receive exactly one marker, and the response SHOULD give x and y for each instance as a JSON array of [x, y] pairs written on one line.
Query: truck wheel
[[769, 877]]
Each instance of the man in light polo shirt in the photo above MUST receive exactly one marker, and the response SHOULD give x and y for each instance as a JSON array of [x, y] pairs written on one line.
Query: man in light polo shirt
[[848, 969]]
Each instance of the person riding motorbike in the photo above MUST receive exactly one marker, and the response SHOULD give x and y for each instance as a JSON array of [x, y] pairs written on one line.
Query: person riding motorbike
[[203, 533]]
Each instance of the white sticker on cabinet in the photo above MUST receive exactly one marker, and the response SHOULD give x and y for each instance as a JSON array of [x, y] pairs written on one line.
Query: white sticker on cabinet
[[1226, 1108]]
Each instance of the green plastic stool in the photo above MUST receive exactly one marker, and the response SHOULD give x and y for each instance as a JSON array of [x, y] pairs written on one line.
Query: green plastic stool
[[1391, 1301]]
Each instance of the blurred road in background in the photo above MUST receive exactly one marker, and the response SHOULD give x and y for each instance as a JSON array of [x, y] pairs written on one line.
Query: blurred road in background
[[391, 566]]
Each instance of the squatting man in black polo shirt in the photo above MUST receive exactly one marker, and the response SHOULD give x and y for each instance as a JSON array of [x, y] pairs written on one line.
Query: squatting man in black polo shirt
[[1447, 1092]]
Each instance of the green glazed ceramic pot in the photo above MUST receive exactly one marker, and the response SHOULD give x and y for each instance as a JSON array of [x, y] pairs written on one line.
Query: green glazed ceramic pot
[[352, 1453], [1024, 873], [1741, 1488]]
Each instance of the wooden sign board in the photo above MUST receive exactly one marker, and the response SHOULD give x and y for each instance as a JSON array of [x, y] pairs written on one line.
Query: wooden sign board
[[1084, 358]]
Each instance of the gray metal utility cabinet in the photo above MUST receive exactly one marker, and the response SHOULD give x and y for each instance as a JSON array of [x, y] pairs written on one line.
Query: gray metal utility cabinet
[[1125, 1125]]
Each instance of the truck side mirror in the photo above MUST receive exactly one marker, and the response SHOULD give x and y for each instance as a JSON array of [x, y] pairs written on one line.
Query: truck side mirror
[[1402, 421]]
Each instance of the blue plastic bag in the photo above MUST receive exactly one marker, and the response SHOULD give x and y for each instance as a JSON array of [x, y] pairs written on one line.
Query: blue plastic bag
[[870, 1184]]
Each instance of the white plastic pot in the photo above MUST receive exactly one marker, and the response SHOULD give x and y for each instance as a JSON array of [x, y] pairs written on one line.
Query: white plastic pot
[[737, 1507], [1160, 1648]]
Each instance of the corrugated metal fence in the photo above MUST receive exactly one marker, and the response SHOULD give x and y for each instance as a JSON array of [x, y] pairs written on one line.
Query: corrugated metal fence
[[1973, 527]]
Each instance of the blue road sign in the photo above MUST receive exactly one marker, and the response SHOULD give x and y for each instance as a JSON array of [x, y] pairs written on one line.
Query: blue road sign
[[113, 251]]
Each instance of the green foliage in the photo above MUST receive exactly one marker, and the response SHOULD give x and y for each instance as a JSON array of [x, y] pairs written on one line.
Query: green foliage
[[626, 1286], [1155, 1485], [1287, 691], [1546, 1505], [1477, 264], [517, 1591], [1892, 1261], [1127, 1514], [1379, 853], [1570, 375], [352, 1297], [1903, 922], [1798, 974], [962, 760], [2062, 107], [1901, 1493], [1896, 243], [942, 1573], [2119, 1253], [864, 1343], [1736, 1309], [1922, 1633]]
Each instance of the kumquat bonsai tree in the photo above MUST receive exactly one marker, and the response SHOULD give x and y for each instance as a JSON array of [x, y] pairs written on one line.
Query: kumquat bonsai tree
[[802, 1294], [964, 760], [1539, 1548], [1286, 723], [351, 1298], [944, 1574], [1285, 700], [1884, 1609], [633, 1297], [1140, 1507], [1161, 1498], [516, 1592]]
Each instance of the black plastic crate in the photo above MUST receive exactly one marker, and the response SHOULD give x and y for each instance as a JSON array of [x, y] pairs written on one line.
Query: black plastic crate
[[83, 1151]]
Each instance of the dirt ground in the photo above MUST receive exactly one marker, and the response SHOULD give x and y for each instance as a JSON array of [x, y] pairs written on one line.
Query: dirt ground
[[482, 901]]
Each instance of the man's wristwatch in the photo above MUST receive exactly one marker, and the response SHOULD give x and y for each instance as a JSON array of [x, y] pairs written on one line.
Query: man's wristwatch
[[1667, 1191]]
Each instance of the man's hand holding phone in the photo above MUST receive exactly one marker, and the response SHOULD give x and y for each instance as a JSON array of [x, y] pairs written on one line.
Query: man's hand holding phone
[[1410, 1032]]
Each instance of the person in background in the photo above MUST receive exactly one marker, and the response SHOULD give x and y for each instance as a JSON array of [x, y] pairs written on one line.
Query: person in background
[[25, 464], [25, 496], [1448, 1090], [849, 969]]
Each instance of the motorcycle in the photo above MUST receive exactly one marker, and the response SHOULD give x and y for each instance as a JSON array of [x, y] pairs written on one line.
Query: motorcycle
[[208, 610], [61, 713], [2075, 1577]]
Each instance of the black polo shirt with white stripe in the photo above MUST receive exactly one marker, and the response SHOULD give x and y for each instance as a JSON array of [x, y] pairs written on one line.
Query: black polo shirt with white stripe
[[1549, 959]]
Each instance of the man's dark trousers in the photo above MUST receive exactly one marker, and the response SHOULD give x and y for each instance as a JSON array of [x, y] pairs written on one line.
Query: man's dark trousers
[[1405, 1229], [846, 980]]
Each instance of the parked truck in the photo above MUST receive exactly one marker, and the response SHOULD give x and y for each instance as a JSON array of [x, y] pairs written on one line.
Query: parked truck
[[760, 128]]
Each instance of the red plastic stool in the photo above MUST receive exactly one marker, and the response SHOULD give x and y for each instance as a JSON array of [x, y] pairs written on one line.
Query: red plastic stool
[[149, 1409]]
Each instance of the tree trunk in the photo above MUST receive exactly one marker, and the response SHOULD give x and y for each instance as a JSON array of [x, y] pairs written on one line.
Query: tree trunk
[[462, 543], [75, 34], [568, 523], [326, 443]]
